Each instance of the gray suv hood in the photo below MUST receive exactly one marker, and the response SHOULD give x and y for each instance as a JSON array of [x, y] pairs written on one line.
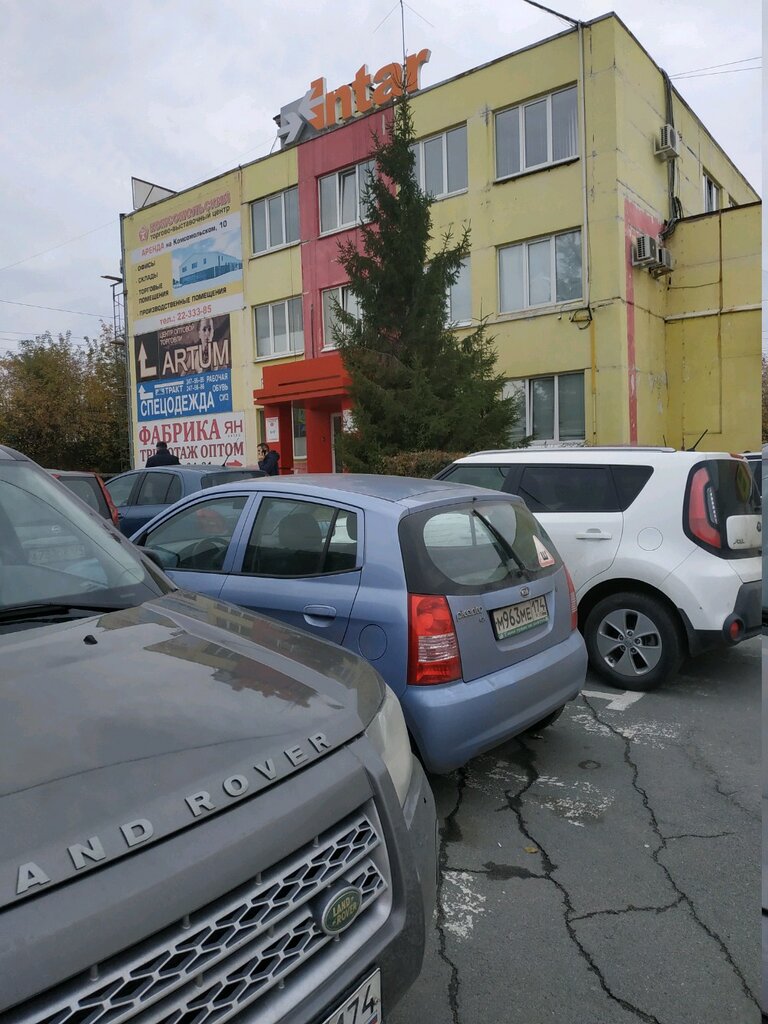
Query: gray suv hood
[[118, 731]]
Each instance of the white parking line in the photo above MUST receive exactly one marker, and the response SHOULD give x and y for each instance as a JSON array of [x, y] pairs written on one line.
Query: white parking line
[[618, 701]]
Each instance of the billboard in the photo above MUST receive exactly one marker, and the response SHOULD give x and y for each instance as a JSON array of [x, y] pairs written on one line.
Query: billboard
[[187, 264], [212, 439], [184, 370]]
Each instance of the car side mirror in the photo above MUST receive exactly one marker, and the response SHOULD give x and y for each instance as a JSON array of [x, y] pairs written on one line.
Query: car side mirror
[[162, 557]]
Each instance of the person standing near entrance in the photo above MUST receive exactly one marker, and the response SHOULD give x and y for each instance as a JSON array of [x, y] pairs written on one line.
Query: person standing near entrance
[[268, 460], [162, 457]]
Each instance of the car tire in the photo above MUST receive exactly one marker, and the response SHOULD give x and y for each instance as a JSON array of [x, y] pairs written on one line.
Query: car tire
[[633, 641], [545, 722]]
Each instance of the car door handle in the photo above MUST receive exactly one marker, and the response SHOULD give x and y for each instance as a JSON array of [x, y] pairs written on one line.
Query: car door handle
[[594, 534], [320, 611]]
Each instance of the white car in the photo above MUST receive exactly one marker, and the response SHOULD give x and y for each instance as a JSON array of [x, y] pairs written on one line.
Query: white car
[[664, 547]]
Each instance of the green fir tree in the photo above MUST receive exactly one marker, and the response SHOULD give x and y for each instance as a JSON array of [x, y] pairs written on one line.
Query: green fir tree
[[416, 385]]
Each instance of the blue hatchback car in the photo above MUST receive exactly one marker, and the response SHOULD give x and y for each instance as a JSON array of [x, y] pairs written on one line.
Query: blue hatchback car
[[140, 494], [454, 593]]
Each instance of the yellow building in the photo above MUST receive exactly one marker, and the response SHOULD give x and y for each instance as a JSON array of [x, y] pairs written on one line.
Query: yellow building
[[615, 255]]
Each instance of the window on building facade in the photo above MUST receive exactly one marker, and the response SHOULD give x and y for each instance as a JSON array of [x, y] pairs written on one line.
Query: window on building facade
[[711, 194], [279, 328], [540, 272], [341, 196], [275, 221], [441, 162], [537, 134], [347, 301], [553, 407], [459, 305], [299, 420]]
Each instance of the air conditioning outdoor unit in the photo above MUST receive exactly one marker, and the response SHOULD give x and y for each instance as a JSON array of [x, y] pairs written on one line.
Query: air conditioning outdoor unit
[[664, 263], [645, 253], [668, 146]]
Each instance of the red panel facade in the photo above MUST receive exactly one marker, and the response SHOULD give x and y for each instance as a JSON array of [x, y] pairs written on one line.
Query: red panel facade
[[318, 382]]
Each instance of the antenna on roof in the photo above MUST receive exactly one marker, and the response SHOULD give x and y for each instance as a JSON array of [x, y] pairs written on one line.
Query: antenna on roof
[[695, 445]]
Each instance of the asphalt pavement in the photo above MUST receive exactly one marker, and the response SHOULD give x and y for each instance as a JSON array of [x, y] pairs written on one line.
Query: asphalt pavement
[[606, 870]]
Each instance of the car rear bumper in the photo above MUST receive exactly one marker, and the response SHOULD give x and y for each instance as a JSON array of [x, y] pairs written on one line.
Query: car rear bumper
[[746, 609], [457, 721]]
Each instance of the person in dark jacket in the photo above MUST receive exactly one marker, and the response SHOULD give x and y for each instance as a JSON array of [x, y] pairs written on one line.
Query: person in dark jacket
[[268, 460], [162, 457]]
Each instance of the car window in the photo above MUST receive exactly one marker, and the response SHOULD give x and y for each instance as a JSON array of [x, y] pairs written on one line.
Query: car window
[[301, 538], [120, 488], [468, 548], [568, 489], [197, 536], [479, 476], [87, 489], [630, 480], [52, 549], [174, 490], [154, 488]]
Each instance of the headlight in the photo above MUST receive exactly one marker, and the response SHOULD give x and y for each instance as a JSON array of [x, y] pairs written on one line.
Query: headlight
[[389, 735]]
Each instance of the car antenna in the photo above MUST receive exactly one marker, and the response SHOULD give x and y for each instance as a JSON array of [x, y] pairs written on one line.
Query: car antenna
[[695, 445]]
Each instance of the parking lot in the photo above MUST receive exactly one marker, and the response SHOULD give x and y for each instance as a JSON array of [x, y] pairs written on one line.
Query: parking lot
[[606, 870]]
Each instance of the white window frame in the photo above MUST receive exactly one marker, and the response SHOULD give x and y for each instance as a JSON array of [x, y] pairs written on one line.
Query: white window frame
[[520, 108], [712, 192], [525, 384], [418, 148], [359, 170], [290, 351], [466, 268], [265, 203], [553, 300], [342, 293]]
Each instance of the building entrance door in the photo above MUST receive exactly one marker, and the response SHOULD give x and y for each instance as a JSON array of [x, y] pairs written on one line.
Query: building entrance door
[[335, 431]]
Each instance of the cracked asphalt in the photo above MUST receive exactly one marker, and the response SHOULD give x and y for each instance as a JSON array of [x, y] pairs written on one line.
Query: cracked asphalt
[[606, 870]]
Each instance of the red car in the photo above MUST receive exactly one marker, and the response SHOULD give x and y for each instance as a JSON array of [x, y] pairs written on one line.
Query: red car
[[89, 487]]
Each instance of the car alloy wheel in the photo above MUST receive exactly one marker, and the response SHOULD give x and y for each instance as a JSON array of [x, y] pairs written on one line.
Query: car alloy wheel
[[633, 641]]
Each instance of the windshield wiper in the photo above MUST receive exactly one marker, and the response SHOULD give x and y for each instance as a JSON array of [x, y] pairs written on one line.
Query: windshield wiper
[[51, 610], [505, 545]]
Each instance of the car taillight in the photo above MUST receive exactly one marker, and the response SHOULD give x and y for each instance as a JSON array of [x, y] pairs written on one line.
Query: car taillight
[[433, 649], [111, 506], [703, 519], [572, 599]]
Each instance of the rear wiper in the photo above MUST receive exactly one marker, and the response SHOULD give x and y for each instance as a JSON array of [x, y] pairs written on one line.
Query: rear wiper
[[49, 610], [505, 545]]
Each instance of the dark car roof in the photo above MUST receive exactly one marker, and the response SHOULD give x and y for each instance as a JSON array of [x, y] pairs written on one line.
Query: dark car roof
[[194, 469], [396, 489]]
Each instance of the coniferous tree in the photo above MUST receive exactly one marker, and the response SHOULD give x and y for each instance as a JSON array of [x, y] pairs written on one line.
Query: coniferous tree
[[416, 385]]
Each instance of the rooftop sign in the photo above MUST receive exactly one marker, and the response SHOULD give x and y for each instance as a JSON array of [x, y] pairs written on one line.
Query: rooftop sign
[[319, 109]]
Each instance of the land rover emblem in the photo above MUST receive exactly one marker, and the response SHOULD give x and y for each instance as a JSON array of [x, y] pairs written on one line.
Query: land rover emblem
[[337, 909]]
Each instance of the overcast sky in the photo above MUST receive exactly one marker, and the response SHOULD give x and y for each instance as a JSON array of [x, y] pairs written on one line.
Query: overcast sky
[[175, 92]]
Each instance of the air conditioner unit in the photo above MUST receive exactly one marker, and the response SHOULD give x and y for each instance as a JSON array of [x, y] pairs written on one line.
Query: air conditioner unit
[[664, 263], [668, 146], [665, 259], [645, 252]]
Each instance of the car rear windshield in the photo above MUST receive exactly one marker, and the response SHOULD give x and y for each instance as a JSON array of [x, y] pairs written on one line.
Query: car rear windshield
[[229, 477], [88, 490], [474, 546], [730, 491]]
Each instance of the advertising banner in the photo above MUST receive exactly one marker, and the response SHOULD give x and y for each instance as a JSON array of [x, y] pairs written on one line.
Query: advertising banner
[[202, 440], [188, 264], [185, 370]]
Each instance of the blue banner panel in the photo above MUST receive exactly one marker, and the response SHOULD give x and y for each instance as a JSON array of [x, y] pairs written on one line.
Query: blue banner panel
[[193, 395]]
